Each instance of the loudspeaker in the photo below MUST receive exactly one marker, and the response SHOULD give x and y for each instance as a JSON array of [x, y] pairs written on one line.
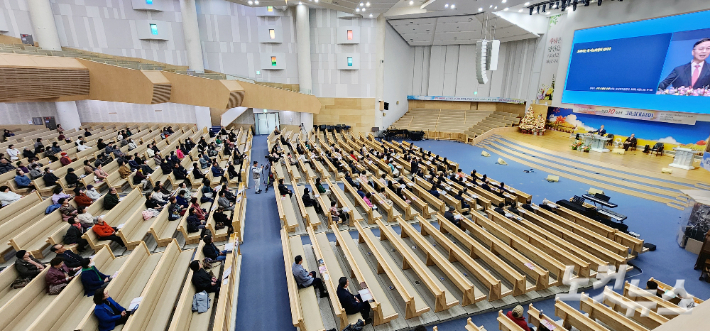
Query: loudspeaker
[[387, 106], [492, 49], [552, 179], [481, 56]]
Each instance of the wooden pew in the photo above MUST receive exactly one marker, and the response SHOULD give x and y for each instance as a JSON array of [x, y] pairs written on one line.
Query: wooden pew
[[457, 254], [477, 250], [308, 318], [383, 310], [55, 316], [572, 317], [470, 293], [665, 290], [239, 214], [506, 324], [537, 255], [536, 317], [162, 229], [641, 314], [228, 297], [18, 207], [7, 276], [22, 310], [371, 213], [286, 212], [223, 233], [608, 316], [343, 201], [190, 237], [323, 252], [130, 204], [135, 228], [163, 287], [472, 327], [308, 214], [396, 200], [132, 278], [577, 254], [11, 228], [323, 201], [425, 195], [409, 261], [496, 246], [382, 205], [34, 238]]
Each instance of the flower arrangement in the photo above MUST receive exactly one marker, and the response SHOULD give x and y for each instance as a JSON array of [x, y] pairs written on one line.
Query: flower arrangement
[[576, 145], [686, 91], [586, 148]]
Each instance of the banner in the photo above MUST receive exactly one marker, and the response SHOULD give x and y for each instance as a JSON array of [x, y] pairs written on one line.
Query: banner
[[705, 163], [466, 99], [637, 114]]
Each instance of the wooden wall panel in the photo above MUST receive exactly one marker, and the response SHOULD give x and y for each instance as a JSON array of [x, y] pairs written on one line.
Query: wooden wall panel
[[113, 83], [359, 113], [45, 78], [265, 97]]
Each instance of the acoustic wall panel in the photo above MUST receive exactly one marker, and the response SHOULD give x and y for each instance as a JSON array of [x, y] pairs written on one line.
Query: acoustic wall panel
[[436, 70], [418, 71], [450, 70], [466, 83]]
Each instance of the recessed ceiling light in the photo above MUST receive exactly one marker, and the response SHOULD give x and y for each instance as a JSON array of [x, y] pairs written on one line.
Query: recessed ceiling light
[[250, 2], [300, 3], [363, 9], [520, 11], [504, 1], [506, 9], [316, 1], [370, 15], [256, 2], [527, 4], [367, 4], [453, 6], [361, 4], [446, 5], [480, 9], [496, 7], [357, 10], [491, 6], [411, 2]]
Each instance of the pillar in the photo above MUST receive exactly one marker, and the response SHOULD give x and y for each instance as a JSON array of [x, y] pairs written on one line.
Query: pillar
[[43, 26], [192, 35], [380, 68], [303, 39], [68, 115], [307, 121], [204, 119]]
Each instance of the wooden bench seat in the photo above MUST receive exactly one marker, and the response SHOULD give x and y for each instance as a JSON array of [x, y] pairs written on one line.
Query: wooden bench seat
[[19, 223], [382, 206], [612, 319], [396, 200], [625, 239], [665, 290], [371, 213], [383, 310], [438, 205], [324, 252], [190, 237], [437, 289], [34, 238], [162, 229], [641, 314], [572, 317], [305, 313], [55, 316], [506, 324], [540, 276], [307, 213], [536, 317], [183, 318], [344, 202], [162, 290], [289, 219], [18, 207], [323, 201], [119, 214], [457, 254], [223, 233], [129, 284], [135, 227], [635, 293]]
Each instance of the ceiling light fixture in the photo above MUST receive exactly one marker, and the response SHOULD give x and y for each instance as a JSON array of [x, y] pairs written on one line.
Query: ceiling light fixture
[[453, 6], [504, 1], [363, 9], [250, 2], [446, 5], [527, 4], [361, 4], [520, 11], [491, 6], [480, 9], [370, 15], [367, 4], [357, 10], [506, 9], [496, 7], [411, 2], [256, 2]]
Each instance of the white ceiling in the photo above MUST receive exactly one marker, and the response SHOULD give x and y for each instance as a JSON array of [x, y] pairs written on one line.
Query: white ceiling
[[375, 8], [457, 30]]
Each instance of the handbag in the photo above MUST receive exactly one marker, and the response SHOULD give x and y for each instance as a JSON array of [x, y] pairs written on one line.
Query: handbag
[[20, 283]]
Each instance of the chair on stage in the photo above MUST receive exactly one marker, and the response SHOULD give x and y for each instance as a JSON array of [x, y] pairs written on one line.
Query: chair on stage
[[658, 148], [633, 145], [611, 139]]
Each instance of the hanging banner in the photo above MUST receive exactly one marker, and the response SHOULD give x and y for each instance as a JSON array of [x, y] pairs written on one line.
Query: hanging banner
[[637, 114], [466, 99]]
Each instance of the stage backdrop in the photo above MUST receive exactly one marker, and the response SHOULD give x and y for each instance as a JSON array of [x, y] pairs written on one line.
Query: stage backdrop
[[647, 132]]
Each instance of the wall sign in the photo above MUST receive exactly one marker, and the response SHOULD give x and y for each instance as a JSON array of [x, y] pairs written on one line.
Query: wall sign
[[638, 114], [465, 99]]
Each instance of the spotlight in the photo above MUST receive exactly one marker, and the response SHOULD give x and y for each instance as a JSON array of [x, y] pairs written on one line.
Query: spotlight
[[357, 10], [531, 10], [411, 3]]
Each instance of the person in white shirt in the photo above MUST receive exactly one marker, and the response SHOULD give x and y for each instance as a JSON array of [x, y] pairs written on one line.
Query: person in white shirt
[[13, 153], [92, 193], [81, 147], [7, 197]]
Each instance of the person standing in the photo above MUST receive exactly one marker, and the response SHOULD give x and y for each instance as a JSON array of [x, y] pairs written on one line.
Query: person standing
[[256, 175]]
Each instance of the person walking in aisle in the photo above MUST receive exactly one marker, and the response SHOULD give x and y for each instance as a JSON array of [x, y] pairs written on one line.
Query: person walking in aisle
[[256, 175]]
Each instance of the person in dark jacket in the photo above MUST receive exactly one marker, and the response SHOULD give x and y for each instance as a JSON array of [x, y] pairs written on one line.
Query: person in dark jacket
[[352, 303], [27, 266], [210, 250], [196, 171], [179, 171], [108, 312], [49, 178], [193, 223], [73, 235], [92, 278], [449, 215], [202, 280], [71, 259], [283, 190], [111, 199], [310, 202]]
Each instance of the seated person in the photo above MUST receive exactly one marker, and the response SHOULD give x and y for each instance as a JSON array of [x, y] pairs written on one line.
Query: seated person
[[283, 190], [73, 235], [221, 219], [7, 197], [360, 191], [49, 178], [352, 303], [92, 278], [216, 170], [653, 286], [82, 199], [460, 196], [179, 171], [27, 266], [66, 209], [58, 276], [22, 180], [308, 201], [517, 316], [338, 216], [124, 170], [630, 142], [71, 260], [92, 193], [111, 199], [305, 279], [194, 224], [107, 311], [211, 251], [105, 231], [224, 202], [449, 215], [202, 280]]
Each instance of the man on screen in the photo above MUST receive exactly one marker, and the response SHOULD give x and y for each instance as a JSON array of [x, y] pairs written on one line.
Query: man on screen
[[601, 131], [695, 74]]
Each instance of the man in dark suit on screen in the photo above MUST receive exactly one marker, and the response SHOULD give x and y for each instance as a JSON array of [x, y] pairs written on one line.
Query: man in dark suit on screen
[[695, 74]]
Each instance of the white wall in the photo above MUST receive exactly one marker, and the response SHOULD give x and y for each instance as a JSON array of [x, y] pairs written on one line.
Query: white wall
[[399, 67], [104, 111], [614, 12], [328, 81], [450, 71], [21, 112]]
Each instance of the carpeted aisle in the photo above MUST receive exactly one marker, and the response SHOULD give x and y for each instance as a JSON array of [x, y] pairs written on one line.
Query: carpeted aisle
[[263, 297]]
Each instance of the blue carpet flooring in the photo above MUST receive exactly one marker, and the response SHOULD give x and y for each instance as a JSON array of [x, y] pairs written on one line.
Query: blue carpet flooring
[[263, 297]]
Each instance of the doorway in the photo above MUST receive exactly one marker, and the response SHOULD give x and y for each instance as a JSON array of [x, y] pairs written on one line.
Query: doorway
[[266, 122]]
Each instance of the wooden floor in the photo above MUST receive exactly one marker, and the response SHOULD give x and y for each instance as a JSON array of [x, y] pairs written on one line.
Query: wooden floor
[[633, 161]]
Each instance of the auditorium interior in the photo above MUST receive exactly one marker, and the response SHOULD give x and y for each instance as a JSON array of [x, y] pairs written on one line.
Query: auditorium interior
[[347, 165]]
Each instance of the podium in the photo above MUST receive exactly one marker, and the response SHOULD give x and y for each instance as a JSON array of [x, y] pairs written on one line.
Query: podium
[[683, 158], [596, 142]]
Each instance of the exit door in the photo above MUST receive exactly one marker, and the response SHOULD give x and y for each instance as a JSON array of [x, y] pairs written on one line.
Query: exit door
[[266, 122]]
